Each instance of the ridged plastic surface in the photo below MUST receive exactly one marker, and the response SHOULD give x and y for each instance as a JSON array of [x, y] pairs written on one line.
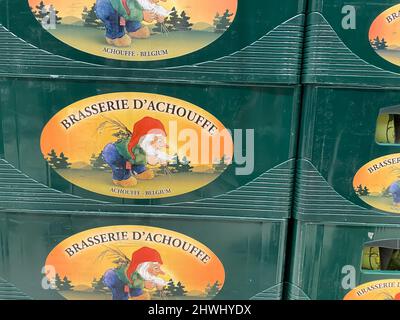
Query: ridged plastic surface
[[327, 60], [267, 196], [317, 200], [293, 292], [274, 293], [253, 248], [327, 258], [9, 292], [274, 58]]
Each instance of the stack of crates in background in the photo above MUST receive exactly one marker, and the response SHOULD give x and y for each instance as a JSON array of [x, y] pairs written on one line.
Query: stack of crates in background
[[347, 203], [161, 160]]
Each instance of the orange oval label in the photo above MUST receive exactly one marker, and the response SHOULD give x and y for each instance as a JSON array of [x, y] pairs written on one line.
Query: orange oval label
[[136, 145], [384, 37], [378, 183], [133, 263], [376, 290], [135, 30]]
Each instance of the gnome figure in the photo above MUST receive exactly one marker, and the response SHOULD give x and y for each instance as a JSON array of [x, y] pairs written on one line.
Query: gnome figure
[[128, 158], [123, 19], [134, 281]]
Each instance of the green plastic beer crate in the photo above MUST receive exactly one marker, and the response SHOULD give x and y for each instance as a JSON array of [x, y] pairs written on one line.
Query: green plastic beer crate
[[71, 224], [55, 255], [345, 243], [89, 212], [350, 120], [352, 43], [350, 259], [349, 149], [225, 41], [231, 148]]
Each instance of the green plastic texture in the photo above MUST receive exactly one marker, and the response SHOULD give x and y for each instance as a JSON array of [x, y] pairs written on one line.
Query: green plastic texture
[[337, 55], [28, 182], [9, 292], [321, 251], [262, 46], [253, 248], [337, 138]]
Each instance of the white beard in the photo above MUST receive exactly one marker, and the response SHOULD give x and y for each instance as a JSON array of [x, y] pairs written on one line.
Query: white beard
[[155, 8], [143, 268], [146, 145]]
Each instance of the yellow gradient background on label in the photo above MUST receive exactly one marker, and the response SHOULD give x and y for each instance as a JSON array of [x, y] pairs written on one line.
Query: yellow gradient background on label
[[161, 45], [84, 139], [382, 29], [178, 265], [199, 10], [390, 31], [376, 290], [378, 182]]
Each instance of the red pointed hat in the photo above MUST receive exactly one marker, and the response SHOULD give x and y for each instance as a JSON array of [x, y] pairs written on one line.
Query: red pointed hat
[[140, 256], [143, 127]]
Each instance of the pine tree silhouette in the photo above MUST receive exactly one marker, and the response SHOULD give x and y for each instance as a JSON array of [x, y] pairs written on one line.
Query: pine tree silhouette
[[362, 190], [58, 281], [48, 17], [41, 11], [379, 44], [224, 22], [174, 164], [66, 284], [172, 21], [180, 166], [183, 23], [383, 45], [98, 285], [170, 288], [217, 18], [213, 290], [53, 158], [365, 191], [185, 166], [359, 190], [376, 42], [63, 162], [97, 162], [221, 165], [91, 20], [180, 290], [58, 162]]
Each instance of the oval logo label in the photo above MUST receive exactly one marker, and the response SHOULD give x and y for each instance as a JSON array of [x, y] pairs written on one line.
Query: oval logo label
[[134, 263], [384, 37], [376, 290], [135, 30], [378, 183], [136, 145]]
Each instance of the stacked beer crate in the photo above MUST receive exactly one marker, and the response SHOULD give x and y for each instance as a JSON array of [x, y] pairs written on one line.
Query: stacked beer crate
[[346, 241], [147, 147]]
